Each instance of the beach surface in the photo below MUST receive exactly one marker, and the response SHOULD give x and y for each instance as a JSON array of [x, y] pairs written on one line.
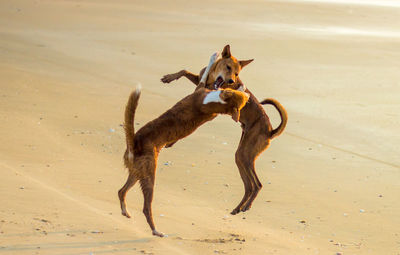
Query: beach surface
[[330, 181]]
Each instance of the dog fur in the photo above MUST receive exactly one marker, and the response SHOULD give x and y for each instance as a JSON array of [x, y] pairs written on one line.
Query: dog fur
[[257, 131], [178, 122]]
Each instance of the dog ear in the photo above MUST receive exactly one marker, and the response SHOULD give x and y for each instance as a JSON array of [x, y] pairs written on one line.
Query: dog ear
[[226, 52], [235, 114], [244, 63]]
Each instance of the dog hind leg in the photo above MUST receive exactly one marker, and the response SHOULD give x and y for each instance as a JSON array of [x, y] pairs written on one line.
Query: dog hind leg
[[148, 190], [249, 159], [243, 174], [148, 170], [249, 165], [248, 185], [122, 193]]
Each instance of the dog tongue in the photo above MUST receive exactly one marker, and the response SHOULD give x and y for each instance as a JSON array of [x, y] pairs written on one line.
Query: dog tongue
[[218, 83]]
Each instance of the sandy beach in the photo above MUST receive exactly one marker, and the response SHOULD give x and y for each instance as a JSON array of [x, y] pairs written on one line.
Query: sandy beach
[[331, 180]]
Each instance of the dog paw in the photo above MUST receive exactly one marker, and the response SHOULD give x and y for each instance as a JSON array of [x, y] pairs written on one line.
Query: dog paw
[[126, 214], [245, 207], [235, 211], [167, 78], [156, 233]]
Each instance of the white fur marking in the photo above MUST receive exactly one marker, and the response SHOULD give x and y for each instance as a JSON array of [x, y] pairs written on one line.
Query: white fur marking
[[213, 97], [130, 156], [213, 58]]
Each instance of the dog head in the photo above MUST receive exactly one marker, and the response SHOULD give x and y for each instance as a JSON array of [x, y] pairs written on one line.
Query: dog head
[[226, 101], [226, 70]]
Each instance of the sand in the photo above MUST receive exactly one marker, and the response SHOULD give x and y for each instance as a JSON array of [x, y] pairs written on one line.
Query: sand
[[331, 180]]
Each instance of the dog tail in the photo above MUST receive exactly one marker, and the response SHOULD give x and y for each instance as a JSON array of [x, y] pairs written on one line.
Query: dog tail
[[129, 127], [282, 112]]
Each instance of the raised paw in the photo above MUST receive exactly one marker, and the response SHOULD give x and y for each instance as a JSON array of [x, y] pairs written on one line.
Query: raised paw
[[168, 78]]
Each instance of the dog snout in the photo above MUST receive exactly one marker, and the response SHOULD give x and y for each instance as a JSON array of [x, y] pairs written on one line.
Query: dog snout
[[230, 81]]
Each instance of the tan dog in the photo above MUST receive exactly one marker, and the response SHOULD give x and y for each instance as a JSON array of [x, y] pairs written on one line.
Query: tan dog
[[223, 73], [176, 123], [257, 131]]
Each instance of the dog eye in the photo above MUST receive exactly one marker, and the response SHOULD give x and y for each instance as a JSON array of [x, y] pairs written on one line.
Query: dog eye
[[236, 74], [228, 67]]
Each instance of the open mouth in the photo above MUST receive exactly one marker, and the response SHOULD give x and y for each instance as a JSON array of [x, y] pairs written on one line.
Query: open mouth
[[218, 82]]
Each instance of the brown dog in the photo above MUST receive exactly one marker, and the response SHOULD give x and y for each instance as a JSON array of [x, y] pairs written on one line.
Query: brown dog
[[178, 122], [257, 131]]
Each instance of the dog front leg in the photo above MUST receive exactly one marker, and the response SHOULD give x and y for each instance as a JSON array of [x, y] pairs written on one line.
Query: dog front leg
[[175, 76]]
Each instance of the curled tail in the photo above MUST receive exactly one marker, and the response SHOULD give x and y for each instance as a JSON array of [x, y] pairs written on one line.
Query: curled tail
[[129, 124], [282, 112]]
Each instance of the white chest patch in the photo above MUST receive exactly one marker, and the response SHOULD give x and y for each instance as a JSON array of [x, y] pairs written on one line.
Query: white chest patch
[[213, 97]]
